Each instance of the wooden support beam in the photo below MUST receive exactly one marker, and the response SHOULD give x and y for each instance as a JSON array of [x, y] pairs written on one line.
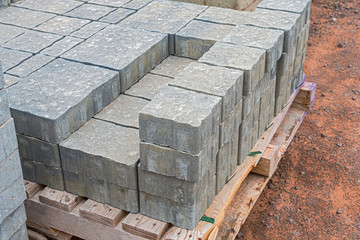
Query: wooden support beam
[[306, 96], [268, 161], [48, 231]]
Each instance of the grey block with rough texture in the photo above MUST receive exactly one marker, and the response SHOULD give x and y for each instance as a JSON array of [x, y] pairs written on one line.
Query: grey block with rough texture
[[10, 80], [234, 151], [40, 173], [132, 61], [62, 46], [10, 170], [223, 173], [28, 19], [4, 106], [180, 119], [16, 58], [62, 25], [223, 157], [270, 40], [32, 41], [117, 15], [9, 32], [148, 86], [197, 37], [173, 163], [250, 60], [165, 17], [248, 105], [124, 111], [288, 22], [39, 151], [111, 3], [137, 4], [212, 80], [49, 109], [13, 223], [30, 65], [2, 81], [20, 234], [7, 138], [102, 191], [244, 148], [171, 66], [11, 198], [90, 11], [111, 155], [227, 128], [58, 7], [89, 29], [211, 191], [223, 16], [184, 216]]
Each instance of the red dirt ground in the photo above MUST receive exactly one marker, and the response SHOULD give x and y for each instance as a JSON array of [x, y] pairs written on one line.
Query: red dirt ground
[[315, 193]]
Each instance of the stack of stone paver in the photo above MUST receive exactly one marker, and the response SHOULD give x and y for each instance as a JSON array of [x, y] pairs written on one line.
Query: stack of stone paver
[[12, 191], [103, 109]]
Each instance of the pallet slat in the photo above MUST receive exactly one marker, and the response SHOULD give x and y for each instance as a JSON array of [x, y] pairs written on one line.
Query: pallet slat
[[31, 188], [59, 199], [48, 231], [267, 164]]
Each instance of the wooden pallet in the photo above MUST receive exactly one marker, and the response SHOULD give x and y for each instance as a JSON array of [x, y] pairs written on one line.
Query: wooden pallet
[[87, 219]]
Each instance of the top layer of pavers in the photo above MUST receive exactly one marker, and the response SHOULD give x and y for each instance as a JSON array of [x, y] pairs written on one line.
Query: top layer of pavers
[[9, 32], [171, 66], [2, 82], [51, 6], [28, 19], [57, 99], [62, 25], [223, 16], [90, 11], [16, 57]]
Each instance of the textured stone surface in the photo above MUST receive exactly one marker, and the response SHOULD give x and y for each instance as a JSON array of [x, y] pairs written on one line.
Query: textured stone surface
[[20, 234], [197, 37], [117, 15], [62, 25], [112, 154], [137, 4], [15, 192], [30, 65], [180, 119], [132, 60], [39, 151], [2, 81], [90, 11], [171, 66], [10, 80], [13, 223], [58, 7], [16, 58], [62, 46], [212, 80], [7, 139], [9, 32], [101, 191], [112, 3], [4, 107], [173, 163], [149, 86], [89, 29], [244, 148], [40, 173], [123, 111], [49, 109], [223, 173], [234, 151], [28, 19], [10, 170], [270, 40], [250, 60], [32, 41], [223, 16]]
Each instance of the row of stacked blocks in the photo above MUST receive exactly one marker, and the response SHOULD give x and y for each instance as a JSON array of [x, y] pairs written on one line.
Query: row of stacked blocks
[[12, 191], [194, 120]]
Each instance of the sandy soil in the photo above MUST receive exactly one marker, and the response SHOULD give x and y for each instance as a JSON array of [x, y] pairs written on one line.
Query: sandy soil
[[315, 193]]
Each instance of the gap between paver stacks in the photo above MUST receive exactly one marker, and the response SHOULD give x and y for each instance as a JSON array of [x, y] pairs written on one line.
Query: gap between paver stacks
[[122, 129]]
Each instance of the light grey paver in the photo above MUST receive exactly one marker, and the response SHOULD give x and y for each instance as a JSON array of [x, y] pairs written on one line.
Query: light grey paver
[[2, 81], [112, 154], [117, 15], [4, 106], [7, 139], [137, 4], [180, 119], [16, 58], [10, 170], [13, 223], [90, 11], [10, 80], [30, 65], [62, 25], [28, 19], [9, 32], [62, 46], [89, 29], [171, 66], [20, 234], [111, 3], [58, 7], [223, 16], [49, 109]]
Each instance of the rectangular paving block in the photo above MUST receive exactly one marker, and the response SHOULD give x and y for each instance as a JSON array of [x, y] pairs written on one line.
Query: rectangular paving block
[[117, 15], [9, 32], [90, 11], [10, 170], [137, 4], [30, 65], [62, 46], [223, 157], [28, 19], [40, 173], [124, 111], [234, 151], [4, 105], [13, 223], [89, 29], [171, 66], [173, 163], [148, 86], [2, 81], [10, 80], [249, 60], [7, 138], [112, 154], [20, 234], [11, 198], [197, 37], [246, 126], [227, 129], [212, 80], [111, 3], [211, 191], [39, 151], [16, 58], [271, 40], [165, 17], [62, 25], [102, 191], [223, 16], [46, 108], [58, 7], [254, 134], [180, 119], [248, 105], [132, 61], [223, 173]]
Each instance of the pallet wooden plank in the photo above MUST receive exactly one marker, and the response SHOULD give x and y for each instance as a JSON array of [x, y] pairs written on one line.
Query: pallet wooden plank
[[48, 231], [31, 188], [101, 213], [144, 226], [72, 222], [35, 236], [59, 199], [268, 161], [306, 95]]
